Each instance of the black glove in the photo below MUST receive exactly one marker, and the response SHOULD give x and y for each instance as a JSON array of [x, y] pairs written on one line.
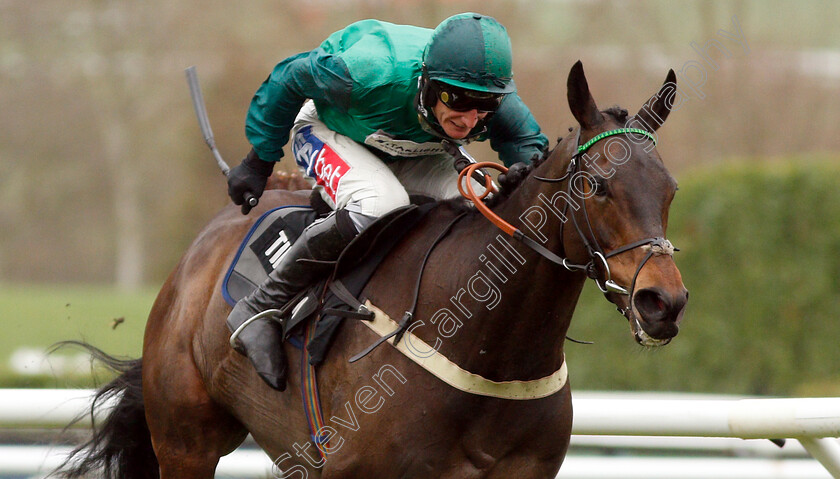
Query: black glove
[[515, 174], [249, 177]]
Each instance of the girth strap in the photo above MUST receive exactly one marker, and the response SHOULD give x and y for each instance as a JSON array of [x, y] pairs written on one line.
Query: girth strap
[[447, 371]]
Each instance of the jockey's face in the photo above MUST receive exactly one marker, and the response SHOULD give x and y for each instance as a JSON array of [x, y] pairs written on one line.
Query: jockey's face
[[457, 124]]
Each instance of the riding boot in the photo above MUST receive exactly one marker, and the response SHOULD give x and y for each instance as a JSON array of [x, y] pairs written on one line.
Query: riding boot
[[262, 340]]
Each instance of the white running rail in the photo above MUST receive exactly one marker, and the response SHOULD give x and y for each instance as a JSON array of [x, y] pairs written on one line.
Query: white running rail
[[814, 422]]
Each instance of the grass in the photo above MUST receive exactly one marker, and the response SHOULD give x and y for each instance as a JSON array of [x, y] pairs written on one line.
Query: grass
[[34, 317]]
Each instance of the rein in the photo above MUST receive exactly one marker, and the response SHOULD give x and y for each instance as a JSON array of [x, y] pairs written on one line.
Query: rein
[[597, 256]]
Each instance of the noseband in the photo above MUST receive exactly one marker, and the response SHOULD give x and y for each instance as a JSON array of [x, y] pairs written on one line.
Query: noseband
[[597, 257]]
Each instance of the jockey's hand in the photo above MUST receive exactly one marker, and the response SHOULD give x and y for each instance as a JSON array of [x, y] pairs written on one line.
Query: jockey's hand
[[249, 177], [514, 175]]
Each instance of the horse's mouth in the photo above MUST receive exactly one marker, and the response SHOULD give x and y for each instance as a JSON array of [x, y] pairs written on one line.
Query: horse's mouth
[[639, 334], [643, 337], [654, 314]]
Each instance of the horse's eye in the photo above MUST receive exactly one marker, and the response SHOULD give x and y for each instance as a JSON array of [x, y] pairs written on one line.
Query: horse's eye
[[599, 184]]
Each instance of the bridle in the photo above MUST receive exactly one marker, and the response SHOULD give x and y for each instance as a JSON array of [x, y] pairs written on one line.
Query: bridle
[[597, 256]]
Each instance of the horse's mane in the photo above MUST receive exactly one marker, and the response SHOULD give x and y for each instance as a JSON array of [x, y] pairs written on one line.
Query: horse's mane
[[459, 205]]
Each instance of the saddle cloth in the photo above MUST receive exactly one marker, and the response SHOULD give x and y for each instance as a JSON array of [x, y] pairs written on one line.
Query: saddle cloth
[[272, 234]]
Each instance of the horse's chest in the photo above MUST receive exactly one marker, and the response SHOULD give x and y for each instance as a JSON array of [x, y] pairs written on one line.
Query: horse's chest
[[485, 431]]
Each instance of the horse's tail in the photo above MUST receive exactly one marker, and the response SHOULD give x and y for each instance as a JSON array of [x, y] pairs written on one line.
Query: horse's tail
[[121, 446]]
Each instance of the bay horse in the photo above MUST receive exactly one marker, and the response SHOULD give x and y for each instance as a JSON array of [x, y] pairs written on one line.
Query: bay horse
[[191, 399]]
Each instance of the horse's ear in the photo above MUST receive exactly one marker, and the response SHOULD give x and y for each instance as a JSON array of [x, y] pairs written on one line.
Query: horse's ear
[[654, 112], [580, 100]]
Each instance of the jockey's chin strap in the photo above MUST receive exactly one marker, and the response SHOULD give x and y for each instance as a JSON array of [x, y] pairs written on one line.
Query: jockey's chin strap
[[597, 257]]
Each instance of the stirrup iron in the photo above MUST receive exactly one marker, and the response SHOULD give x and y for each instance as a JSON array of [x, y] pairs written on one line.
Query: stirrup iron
[[273, 314]]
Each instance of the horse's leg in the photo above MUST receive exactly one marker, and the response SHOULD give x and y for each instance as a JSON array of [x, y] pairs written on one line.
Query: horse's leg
[[191, 412], [189, 431]]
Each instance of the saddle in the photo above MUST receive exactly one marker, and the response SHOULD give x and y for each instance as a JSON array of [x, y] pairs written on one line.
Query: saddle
[[333, 299]]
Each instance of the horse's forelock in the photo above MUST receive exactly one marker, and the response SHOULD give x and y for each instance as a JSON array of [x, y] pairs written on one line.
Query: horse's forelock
[[619, 114]]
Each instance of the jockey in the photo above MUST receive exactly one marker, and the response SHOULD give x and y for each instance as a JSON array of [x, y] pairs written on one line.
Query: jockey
[[367, 111]]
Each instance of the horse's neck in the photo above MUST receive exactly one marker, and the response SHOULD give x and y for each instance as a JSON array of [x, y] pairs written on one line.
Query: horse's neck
[[526, 302]]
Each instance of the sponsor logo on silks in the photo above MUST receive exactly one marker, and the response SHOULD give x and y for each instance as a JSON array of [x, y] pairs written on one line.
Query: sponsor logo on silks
[[305, 147], [319, 160], [407, 148]]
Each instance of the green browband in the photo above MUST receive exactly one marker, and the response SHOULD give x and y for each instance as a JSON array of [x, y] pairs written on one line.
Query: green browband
[[619, 131]]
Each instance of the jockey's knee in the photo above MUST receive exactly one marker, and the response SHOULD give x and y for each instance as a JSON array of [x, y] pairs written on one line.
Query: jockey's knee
[[365, 211]]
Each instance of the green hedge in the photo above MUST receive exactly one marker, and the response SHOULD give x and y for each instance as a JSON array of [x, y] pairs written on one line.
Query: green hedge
[[760, 255]]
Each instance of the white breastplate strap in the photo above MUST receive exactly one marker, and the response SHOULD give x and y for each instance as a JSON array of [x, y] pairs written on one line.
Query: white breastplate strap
[[439, 365]]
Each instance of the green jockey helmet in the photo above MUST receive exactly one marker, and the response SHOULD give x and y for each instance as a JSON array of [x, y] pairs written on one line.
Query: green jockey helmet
[[467, 64], [470, 51]]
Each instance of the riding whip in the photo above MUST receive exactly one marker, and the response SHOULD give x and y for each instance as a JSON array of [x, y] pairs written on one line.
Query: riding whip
[[204, 124]]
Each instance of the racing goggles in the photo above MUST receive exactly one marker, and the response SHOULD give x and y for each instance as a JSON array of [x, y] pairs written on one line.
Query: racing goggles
[[461, 99]]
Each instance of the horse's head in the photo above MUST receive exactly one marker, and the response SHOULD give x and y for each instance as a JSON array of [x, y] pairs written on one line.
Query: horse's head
[[621, 194]]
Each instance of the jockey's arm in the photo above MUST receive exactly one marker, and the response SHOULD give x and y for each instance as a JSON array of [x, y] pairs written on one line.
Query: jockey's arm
[[514, 133], [315, 75]]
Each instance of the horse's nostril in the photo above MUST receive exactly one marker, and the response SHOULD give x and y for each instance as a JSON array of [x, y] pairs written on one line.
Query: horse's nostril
[[659, 313], [651, 304], [656, 306], [660, 305]]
